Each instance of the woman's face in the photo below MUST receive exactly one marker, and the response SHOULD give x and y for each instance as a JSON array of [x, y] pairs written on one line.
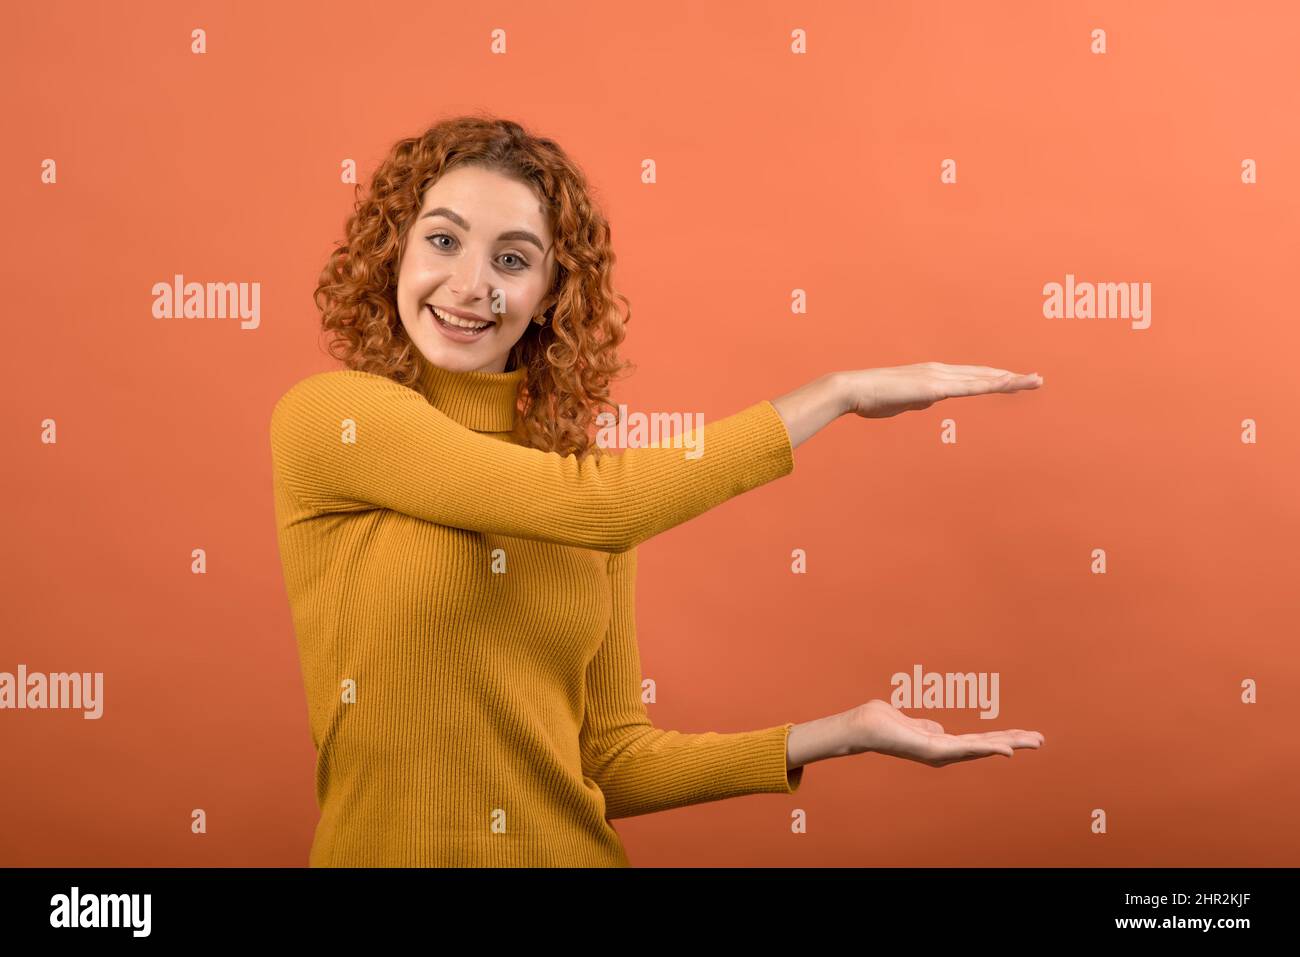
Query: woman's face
[[480, 248]]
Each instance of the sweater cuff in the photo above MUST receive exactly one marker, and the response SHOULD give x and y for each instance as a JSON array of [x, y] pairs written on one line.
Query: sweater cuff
[[774, 440], [784, 780]]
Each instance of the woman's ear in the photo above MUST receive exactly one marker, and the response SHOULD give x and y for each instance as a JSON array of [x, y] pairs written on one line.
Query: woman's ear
[[546, 308]]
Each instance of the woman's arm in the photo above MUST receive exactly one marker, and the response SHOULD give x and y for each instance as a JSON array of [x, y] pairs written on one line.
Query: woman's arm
[[349, 441]]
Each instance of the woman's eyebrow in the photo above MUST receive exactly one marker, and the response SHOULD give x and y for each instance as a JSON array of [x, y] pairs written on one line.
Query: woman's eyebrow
[[521, 234]]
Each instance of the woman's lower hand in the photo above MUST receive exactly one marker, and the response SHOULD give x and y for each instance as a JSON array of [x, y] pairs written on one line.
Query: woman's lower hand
[[879, 726], [880, 393]]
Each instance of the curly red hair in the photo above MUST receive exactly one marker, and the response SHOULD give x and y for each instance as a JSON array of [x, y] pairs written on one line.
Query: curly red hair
[[570, 360]]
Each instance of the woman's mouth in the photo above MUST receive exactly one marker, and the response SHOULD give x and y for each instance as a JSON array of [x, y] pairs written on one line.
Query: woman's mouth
[[454, 327]]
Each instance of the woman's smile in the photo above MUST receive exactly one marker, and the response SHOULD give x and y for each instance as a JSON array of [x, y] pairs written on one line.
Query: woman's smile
[[450, 326]]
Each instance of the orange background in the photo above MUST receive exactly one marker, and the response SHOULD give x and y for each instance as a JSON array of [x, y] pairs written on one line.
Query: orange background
[[776, 172]]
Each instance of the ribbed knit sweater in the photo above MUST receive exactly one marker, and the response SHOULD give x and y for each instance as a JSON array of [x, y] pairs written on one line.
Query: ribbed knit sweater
[[464, 608]]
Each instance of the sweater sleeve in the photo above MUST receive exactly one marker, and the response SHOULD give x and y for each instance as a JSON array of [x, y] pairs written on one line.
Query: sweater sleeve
[[641, 768], [348, 441]]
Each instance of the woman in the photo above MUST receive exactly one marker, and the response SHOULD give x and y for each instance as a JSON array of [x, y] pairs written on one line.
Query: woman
[[461, 569]]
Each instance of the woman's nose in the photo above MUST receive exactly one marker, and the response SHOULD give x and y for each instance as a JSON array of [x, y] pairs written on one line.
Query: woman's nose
[[467, 274]]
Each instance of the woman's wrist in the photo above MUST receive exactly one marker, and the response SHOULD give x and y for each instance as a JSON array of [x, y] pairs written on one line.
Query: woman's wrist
[[816, 740], [811, 407]]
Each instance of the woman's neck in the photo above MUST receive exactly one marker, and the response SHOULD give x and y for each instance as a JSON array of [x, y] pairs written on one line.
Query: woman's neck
[[482, 401]]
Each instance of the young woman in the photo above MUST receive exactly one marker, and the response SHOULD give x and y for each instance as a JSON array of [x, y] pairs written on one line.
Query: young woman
[[460, 556]]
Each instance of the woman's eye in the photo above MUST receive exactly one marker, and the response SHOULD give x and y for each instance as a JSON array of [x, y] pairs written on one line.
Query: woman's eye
[[522, 263]]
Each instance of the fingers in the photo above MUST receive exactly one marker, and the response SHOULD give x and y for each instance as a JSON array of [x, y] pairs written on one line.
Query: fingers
[[967, 370], [976, 380], [977, 372], [1031, 380], [1016, 738], [967, 757], [1011, 382], [951, 749]]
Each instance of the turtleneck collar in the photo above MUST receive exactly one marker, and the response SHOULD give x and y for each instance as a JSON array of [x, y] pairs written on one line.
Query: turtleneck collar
[[482, 401]]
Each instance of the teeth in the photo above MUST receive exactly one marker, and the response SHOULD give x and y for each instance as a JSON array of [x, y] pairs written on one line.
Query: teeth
[[457, 321]]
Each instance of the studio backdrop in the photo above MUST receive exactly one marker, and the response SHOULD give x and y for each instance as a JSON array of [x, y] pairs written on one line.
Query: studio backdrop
[[1103, 193]]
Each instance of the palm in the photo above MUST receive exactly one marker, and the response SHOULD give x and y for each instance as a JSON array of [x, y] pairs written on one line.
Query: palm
[[879, 726]]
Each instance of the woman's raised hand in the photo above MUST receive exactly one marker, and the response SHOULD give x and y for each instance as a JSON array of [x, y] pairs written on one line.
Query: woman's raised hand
[[879, 726], [880, 393]]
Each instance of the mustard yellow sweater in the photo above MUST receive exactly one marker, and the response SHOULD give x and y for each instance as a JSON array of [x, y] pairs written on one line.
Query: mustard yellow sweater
[[465, 615]]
